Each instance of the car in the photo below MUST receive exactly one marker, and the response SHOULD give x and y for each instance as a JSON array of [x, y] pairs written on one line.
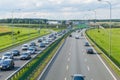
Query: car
[[81, 34], [25, 56], [32, 44], [46, 42], [25, 47], [77, 37], [34, 47], [90, 51], [15, 52], [40, 40], [49, 39], [6, 64], [70, 35], [31, 50], [78, 77], [7, 55], [86, 44], [42, 45], [44, 38]]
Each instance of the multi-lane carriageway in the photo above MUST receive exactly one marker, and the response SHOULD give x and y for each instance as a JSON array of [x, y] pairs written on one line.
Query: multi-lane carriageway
[[73, 59]]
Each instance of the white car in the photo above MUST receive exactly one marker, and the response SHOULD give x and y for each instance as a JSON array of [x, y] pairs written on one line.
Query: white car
[[25, 47], [77, 37]]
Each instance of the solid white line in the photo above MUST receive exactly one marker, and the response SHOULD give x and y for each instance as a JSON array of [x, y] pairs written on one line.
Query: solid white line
[[107, 67]]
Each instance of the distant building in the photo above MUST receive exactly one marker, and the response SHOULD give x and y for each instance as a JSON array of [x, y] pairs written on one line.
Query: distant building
[[53, 22]]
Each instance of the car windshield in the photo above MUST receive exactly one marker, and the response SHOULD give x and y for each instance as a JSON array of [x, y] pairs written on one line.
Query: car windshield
[[15, 50], [78, 78], [7, 54], [4, 62], [25, 54], [25, 45], [30, 49]]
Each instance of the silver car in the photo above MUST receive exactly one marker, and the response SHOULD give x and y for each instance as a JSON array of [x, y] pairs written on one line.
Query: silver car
[[7, 55]]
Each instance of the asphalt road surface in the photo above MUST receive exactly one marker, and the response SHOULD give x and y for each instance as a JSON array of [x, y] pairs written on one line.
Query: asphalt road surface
[[18, 63], [73, 59]]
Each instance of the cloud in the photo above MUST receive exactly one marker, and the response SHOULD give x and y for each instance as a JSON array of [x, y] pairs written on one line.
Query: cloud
[[55, 8]]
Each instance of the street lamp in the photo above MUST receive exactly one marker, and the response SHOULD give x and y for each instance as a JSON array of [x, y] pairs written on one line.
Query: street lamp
[[110, 33], [95, 17], [13, 23]]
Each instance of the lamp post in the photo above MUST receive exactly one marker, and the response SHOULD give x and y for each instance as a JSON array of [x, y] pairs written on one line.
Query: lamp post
[[110, 32], [95, 17], [13, 23]]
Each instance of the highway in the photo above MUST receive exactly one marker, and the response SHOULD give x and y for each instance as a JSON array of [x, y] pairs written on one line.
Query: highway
[[19, 63], [73, 59]]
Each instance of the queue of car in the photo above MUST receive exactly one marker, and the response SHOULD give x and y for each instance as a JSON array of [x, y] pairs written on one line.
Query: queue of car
[[26, 52]]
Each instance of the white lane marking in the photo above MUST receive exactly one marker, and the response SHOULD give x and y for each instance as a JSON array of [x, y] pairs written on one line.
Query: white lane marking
[[85, 60], [88, 68], [104, 64], [91, 79], [67, 67], [69, 53], [82, 50], [68, 59], [83, 53], [107, 67], [65, 78]]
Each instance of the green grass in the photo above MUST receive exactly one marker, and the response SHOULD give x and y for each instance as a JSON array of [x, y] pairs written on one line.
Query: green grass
[[25, 34], [102, 39]]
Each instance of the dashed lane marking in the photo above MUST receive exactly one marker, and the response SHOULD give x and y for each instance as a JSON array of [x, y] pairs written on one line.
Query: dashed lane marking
[[67, 67], [88, 68]]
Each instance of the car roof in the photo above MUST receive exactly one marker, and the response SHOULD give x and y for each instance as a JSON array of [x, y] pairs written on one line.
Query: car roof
[[7, 53], [77, 75], [7, 59]]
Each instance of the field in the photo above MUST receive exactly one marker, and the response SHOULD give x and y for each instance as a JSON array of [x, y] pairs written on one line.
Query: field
[[20, 35], [102, 39], [4, 29]]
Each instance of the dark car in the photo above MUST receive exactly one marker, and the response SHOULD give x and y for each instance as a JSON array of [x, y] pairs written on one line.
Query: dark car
[[6, 64], [86, 44], [90, 51], [39, 40], [32, 44], [70, 35], [42, 45], [15, 52], [7, 55], [25, 56], [78, 77]]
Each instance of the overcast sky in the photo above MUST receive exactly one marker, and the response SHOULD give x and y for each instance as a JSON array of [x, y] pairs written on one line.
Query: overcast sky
[[59, 9]]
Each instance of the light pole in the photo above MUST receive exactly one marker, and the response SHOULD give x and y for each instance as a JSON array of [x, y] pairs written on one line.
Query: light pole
[[13, 25], [110, 32], [95, 17]]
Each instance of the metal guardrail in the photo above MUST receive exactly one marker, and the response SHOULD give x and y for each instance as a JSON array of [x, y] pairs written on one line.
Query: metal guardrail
[[27, 68]]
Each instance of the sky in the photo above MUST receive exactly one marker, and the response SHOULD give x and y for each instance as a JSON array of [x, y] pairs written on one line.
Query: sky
[[59, 9]]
